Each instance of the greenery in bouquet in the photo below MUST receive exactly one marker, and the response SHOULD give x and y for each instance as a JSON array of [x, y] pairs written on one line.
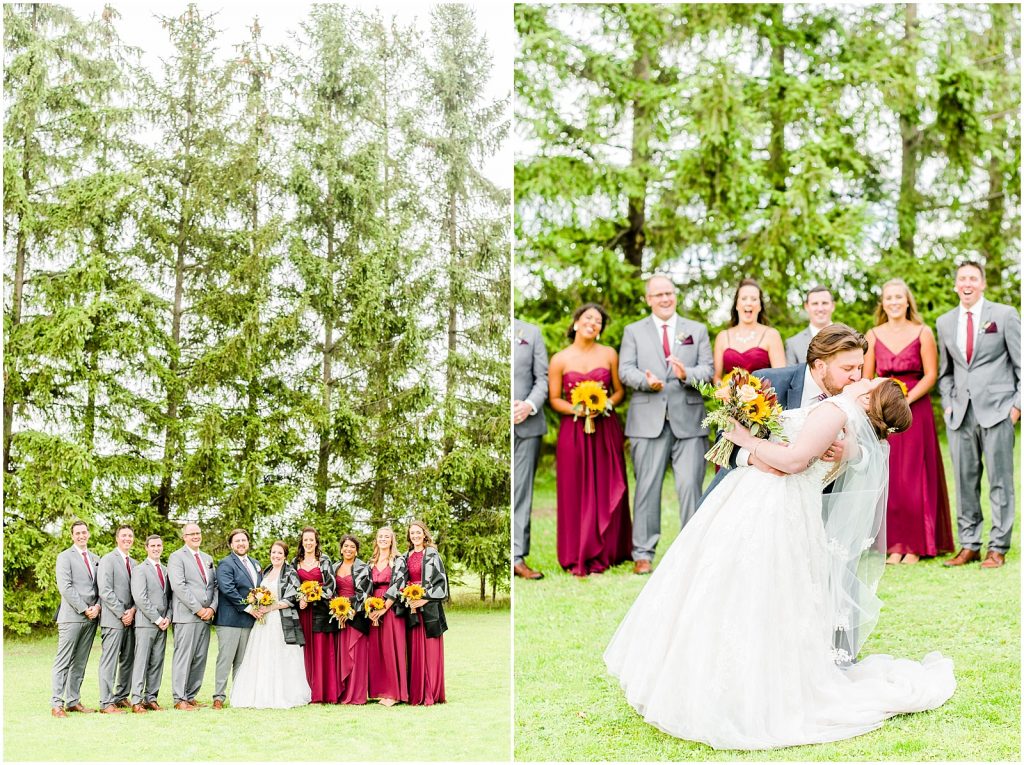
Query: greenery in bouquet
[[258, 597], [745, 398], [589, 399]]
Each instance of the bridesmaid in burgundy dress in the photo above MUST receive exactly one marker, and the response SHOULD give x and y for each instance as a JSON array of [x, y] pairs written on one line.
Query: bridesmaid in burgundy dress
[[317, 627], [594, 529], [749, 343], [426, 620], [352, 578], [387, 644], [917, 515]]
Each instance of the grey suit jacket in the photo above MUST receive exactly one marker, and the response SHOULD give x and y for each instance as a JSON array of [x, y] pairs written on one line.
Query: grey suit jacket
[[191, 594], [115, 589], [530, 378], [641, 350], [152, 602], [796, 347], [78, 589], [991, 382]]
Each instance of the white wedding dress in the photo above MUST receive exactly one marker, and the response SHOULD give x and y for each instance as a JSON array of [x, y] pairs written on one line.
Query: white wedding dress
[[730, 641], [273, 673]]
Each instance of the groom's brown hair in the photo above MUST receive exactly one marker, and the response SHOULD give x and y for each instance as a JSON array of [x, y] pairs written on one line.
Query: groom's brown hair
[[833, 339]]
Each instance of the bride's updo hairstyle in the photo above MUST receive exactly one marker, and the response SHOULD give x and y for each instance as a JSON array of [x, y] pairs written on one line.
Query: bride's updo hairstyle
[[571, 334], [888, 410]]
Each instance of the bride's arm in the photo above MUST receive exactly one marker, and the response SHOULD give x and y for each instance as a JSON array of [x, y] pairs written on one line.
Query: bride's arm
[[820, 430]]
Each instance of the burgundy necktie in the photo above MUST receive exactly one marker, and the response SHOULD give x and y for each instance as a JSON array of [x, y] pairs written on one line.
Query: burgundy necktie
[[128, 568], [664, 340], [821, 397], [160, 576], [201, 569], [970, 336], [85, 557]]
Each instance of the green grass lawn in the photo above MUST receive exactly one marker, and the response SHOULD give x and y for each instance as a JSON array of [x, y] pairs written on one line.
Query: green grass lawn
[[569, 708], [474, 724]]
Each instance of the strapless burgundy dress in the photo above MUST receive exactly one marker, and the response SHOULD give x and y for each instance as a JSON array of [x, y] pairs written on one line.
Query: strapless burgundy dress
[[352, 662]]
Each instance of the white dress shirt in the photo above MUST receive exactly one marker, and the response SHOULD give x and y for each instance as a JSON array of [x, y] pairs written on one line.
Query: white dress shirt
[[811, 389], [961, 325]]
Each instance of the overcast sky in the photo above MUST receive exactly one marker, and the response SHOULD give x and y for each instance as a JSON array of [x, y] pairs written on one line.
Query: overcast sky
[[139, 26]]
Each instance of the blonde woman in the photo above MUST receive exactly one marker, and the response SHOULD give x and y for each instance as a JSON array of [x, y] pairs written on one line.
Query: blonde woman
[[901, 346], [389, 665]]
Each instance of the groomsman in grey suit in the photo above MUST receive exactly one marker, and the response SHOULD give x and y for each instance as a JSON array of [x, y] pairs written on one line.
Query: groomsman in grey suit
[[819, 307], [151, 589], [76, 621], [236, 575], [117, 632], [663, 358], [979, 381], [530, 391], [194, 584]]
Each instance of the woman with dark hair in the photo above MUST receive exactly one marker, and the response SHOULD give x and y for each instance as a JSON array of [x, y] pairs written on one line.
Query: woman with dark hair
[[317, 627], [900, 345], [388, 654], [271, 675], [749, 343], [594, 530], [426, 621], [352, 578]]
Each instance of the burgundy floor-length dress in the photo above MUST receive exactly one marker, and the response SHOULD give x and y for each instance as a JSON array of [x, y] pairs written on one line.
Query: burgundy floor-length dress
[[917, 514], [386, 648], [321, 669], [594, 528], [426, 654], [352, 661], [751, 359]]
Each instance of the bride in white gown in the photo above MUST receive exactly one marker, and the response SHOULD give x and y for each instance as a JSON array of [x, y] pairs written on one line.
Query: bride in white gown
[[731, 641], [273, 672]]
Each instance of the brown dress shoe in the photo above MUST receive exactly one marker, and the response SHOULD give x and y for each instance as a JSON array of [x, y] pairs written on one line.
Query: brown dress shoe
[[197, 703], [993, 560], [123, 704], [184, 706], [525, 572], [963, 557], [138, 709], [110, 709], [58, 712], [642, 567], [81, 709], [153, 707], [218, 704]]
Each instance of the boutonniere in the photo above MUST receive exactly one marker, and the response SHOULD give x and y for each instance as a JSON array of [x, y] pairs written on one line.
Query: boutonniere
[[684, 339], [990, 328], [520, 340]]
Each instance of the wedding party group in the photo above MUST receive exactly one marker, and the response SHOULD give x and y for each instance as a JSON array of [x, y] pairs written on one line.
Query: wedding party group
[[734, 641], [309, 630]]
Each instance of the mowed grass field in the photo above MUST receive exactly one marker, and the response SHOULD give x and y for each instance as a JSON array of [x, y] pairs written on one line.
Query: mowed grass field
[[474, 724], [568, 708]]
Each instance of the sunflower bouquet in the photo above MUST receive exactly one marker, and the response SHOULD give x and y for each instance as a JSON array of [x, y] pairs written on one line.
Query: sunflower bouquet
[[590, 399], [258, 597], [743, 397], [373, 604], [412, 592], [311, 591], [341, 609]]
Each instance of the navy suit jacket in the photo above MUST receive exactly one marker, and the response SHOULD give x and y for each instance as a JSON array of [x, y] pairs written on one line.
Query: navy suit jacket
[[234, 584]]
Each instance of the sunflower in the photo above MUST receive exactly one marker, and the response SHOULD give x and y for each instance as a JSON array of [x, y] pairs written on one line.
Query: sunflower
[[312, 591], [591, 394], [341, 609], [758, 410], [903, 386], [373, 604]]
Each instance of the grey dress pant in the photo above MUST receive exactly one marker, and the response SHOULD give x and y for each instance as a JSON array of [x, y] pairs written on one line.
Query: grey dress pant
[[651, 458], [188, 662], [116, 661], [968, 444], [231, 642], [527, 451], [150, 646], [74, 642]]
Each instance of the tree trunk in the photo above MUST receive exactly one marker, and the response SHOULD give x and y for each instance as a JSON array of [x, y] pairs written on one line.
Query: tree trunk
[[910, 133], [174, 390], [640, 155], [483, 586], [777, 169], [323, 461], [453, 340]]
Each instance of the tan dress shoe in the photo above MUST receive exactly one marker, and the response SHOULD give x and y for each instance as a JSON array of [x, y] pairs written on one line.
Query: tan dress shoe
[[80, 709], [963, 557], [525, 572], [110, 709], [58, 712], [642, 567], [138, 709], [123, 703], [993, 560], [184, 706], [197, 703], [218, 704], [153, 707]]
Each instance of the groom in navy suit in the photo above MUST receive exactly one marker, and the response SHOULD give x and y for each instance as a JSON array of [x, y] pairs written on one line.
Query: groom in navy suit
[[236, 575], [835, 358]]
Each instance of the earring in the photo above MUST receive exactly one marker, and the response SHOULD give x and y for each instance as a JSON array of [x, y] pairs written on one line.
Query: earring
[[598, 337], [575, 327]]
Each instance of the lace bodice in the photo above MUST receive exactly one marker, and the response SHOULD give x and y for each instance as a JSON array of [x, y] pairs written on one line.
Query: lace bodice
[[793, 421]]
